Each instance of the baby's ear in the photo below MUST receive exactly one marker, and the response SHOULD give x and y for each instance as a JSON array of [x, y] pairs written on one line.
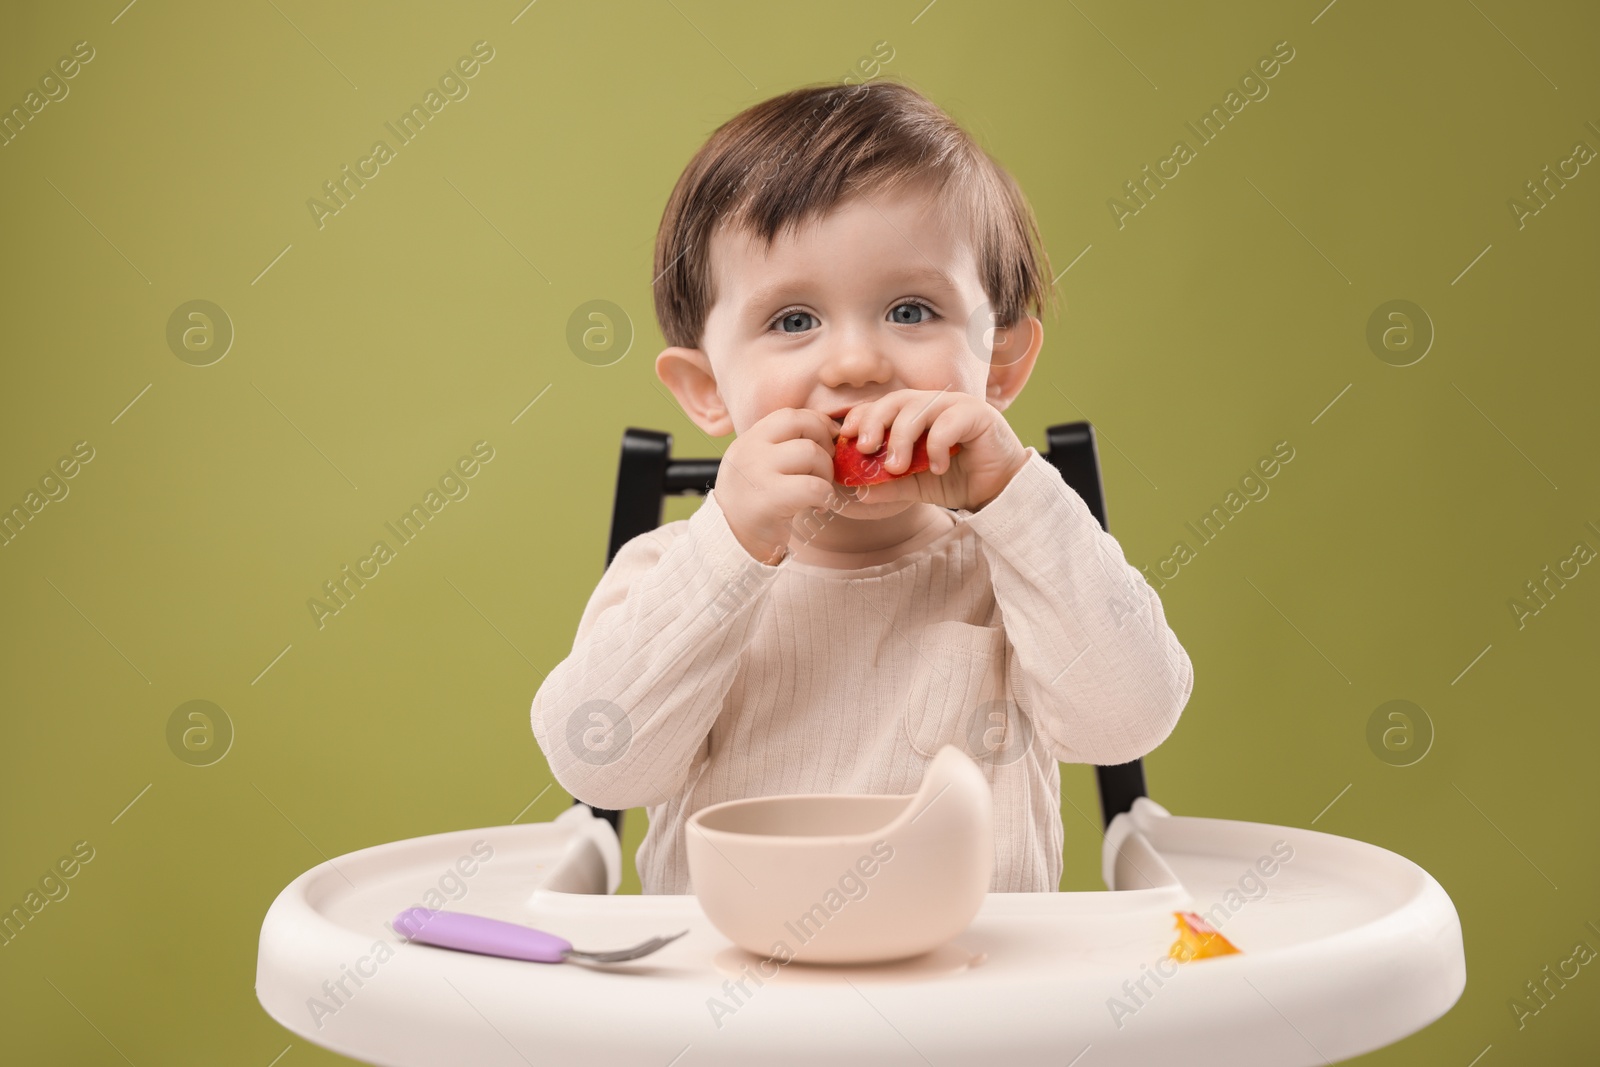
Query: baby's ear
[[687, 372], [1012, 359]]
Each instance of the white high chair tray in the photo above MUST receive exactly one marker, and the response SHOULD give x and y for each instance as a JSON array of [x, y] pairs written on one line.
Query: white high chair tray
[[1344, 947]]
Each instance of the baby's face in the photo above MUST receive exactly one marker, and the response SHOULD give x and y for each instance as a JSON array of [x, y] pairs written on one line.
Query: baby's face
[[877, 296]]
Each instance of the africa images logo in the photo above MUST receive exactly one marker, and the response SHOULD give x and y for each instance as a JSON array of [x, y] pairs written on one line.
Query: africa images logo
[[452, 86]]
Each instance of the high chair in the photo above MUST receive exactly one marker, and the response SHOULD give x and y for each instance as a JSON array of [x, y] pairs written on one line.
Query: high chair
[[1344, 947]]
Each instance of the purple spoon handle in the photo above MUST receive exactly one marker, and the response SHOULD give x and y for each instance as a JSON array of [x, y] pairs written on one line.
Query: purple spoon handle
[[487, 937]]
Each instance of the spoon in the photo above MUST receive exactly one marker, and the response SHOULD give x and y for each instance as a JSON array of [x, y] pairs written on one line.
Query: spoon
[[492, 937]]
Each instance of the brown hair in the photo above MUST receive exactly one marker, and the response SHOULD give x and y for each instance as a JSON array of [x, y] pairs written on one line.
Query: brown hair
[[791, 159]]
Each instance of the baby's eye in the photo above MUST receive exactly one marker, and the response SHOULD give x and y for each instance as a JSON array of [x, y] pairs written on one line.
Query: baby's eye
[[794, 319], [897, 316]]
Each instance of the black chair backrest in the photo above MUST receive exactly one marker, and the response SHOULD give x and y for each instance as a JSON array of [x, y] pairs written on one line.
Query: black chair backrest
[[647, 474]]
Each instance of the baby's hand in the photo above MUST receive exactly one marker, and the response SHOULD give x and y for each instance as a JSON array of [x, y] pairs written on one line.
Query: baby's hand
[[991, 453], [781, 465]]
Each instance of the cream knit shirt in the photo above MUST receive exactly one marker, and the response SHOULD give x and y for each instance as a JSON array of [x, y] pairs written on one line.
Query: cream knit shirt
[[1021, 635]]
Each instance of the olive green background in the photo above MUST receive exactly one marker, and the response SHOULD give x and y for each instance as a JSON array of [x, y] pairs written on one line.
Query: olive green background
[[370, 354]]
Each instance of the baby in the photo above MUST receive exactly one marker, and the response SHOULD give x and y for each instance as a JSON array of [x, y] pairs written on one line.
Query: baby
[[846, 260]]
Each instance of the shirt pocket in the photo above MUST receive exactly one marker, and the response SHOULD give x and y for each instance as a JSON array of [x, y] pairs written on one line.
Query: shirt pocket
[[957, 681]]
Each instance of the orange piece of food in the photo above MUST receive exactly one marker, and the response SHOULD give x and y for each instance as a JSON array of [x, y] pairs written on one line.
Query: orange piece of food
[[1198, 939]]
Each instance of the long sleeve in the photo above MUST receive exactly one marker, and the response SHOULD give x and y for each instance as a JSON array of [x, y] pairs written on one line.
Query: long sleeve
[[621, 719], [1090, 655]]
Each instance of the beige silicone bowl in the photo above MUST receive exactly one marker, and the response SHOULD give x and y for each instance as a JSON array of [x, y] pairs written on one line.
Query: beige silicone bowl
[[848, 878]]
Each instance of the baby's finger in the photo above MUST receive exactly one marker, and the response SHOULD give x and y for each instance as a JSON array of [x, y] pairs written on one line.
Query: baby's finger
[[953, 426], [787, 424], [803, 455], [909, 425], [828, 431], [869, 421], [805, 491], [855, 419]]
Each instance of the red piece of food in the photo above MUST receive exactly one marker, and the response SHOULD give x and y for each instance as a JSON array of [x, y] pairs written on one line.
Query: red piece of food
[[851, 467]]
